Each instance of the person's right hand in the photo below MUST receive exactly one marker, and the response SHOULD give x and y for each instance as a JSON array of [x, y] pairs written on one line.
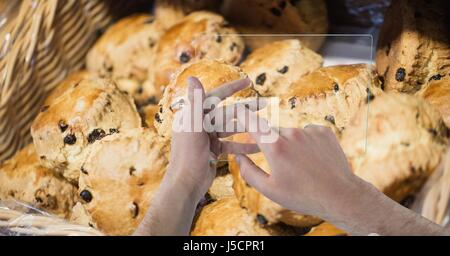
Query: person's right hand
[[309, 171]]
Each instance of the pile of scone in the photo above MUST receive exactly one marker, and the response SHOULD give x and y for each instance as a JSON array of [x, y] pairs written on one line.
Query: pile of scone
[[101, 141]]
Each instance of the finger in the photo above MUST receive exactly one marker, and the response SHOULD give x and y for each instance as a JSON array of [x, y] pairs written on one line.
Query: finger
[[228, 147], [229, 89], [257, 127], [252, 174]]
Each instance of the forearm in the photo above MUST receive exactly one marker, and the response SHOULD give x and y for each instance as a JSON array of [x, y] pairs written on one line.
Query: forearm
[[171, 212], [369, 211]]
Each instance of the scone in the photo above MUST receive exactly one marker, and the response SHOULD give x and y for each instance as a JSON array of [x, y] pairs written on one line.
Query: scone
[[170, 12], [328, 97], [326, 229], [437, 93], [414, 44], [70, 81], [211, 73], [222, 185], [64, 131], [200, 35], [275, 66], [24, 179], [263, 18], [397, 144], [125, 53], [333, 94], [226, 218], [120, 177], [148, 115]]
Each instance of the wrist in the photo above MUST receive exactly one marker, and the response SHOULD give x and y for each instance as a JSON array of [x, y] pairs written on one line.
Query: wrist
[[180, 184]]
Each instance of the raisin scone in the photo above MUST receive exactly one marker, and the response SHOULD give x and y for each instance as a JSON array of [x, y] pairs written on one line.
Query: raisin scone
[[397, 144], [125, 53], [211, 73], [414, 44], [265, 17], [326, 229], [222, 185], [23, 178], [120, 177], [148, 115], [329, 97], [70, 81], [200, 35], [275, 66], [437, 93], [64, 131], [225, 217]]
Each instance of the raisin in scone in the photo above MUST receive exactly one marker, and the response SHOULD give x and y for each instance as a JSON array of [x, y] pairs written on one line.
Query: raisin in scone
[[64, 131], [437, 93], [397, 144], [275, 66], [263, 17], [200, 35], [70, 81], [23, 178], [120, 177], [225, 217], [125, 53], [211, 73], [414, 44]]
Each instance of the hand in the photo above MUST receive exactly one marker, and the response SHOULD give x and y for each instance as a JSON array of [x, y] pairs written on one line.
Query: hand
[[310, 175], [194, 152], [309, 168]]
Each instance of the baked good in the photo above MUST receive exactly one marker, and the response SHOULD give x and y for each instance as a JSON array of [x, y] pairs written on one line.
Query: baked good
[[437, 93], [64, 131], [263, 17], [333, 94], [125, 53], [275, 66], [70, 81], [225, 217], [329, 97], [222, 185], [414, 44], [24, 179], [397, 144], [326, 229], [170, 12], [120, 177], [200, 35], [148, 115], [211, 73]]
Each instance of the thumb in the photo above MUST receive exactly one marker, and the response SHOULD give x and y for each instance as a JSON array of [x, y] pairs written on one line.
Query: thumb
[[252, 174]]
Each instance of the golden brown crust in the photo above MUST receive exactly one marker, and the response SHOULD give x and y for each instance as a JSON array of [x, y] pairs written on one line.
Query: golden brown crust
[[211, 74], [333, 94], [397, 144], [120, 177], [437, 93], [278, 17], [64, 131], [125, 53], [200, 35], [326, 229], [70, 81], [414, 44], [226, 218], [275, 66], [24, 179]]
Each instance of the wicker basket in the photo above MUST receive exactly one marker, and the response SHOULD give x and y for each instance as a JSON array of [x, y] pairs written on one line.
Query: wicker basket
[[43, 41]]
